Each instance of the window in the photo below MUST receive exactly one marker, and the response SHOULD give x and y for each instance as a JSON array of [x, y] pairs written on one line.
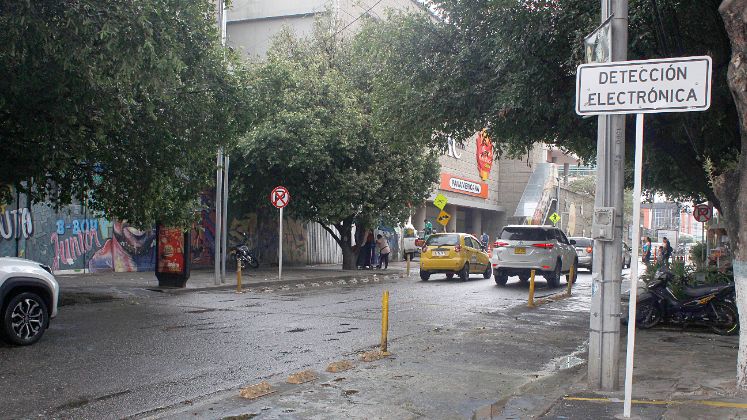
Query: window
[[561, 237], [443, 239], [524, 234], [583, 242]]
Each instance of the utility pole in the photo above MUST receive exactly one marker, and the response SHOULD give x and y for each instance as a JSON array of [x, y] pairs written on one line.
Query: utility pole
[[604, 335], [221, 180]]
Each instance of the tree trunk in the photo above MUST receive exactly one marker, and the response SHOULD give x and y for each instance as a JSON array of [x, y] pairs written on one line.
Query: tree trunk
[[731, 187], [344, 240]]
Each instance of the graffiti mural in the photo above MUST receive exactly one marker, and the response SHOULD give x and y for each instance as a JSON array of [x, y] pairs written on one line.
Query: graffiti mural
[[83, 238], [203, 234], [129, 249], [16, 223]]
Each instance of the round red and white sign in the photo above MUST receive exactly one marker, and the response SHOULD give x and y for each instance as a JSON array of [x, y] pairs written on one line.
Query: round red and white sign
[[703, 212], [279, 197]]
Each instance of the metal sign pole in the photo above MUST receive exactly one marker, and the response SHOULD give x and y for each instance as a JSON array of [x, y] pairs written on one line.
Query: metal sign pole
[[280, 246], [217, 254], [634, 264]]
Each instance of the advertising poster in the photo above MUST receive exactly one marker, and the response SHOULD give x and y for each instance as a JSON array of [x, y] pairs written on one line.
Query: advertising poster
[[171, 251]]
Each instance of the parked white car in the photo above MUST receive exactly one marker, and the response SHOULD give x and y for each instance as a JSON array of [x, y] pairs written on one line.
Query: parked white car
[[28, 300], [410, 246], [523, 248]]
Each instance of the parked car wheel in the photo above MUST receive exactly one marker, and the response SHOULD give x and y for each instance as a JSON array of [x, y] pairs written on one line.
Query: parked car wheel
[[488, 272], [464, 272], [25, 318], [553, 278], [501, 278], [424, 275]]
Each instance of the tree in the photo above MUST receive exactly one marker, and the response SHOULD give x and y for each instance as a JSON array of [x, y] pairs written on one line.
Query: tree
[[316, 132], [510, 66], [731, 185], [121, 102]]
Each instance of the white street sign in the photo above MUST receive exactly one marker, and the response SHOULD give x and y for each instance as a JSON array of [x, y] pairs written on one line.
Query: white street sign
[[646, 86]]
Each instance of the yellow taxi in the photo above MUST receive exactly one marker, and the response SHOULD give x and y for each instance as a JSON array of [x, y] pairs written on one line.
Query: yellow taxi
[[454, 253]]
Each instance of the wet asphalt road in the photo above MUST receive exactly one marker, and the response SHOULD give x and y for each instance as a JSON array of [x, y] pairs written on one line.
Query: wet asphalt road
[[156, 353]]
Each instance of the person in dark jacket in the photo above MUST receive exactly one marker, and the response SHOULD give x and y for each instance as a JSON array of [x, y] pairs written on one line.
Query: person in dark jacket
[[667, 251]]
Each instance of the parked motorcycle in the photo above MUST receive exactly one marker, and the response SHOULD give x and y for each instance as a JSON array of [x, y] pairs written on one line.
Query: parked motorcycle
[[244, 255], [710, 306]]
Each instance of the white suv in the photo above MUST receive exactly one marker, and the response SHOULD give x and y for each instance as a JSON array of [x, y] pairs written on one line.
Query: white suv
[[28, 300], [523, 248]]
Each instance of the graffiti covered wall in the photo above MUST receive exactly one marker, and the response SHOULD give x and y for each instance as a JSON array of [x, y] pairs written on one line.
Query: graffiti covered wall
[[73, 239]]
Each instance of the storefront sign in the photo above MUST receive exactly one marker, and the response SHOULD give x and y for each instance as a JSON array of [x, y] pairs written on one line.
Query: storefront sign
[[484, 154], [463, 186]]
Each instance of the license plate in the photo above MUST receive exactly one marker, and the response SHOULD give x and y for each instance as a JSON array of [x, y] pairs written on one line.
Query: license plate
[[440, 253], [520, 250]]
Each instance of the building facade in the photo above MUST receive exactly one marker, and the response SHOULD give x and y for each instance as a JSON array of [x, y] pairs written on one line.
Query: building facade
[[252, 24], [481, 197]]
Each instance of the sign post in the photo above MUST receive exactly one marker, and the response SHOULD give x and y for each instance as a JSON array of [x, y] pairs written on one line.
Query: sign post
[[703, 213], [638, 87], [279, 197]]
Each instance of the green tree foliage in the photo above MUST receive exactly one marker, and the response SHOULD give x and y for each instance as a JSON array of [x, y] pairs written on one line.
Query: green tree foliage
[[317, 133], [123, 102], [510, 66]]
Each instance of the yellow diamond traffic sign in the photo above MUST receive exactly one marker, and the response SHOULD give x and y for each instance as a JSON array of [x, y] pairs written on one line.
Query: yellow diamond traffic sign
[[554, 218], [440, 201], [443, 218]]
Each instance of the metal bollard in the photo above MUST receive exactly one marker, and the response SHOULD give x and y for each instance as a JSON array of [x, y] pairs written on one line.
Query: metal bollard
[[238, 277], [384, 320], [531, 290], [407, 257], [571, 278]]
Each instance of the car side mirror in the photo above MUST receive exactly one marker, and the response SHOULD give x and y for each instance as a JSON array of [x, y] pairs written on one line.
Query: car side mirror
[[572, 241]]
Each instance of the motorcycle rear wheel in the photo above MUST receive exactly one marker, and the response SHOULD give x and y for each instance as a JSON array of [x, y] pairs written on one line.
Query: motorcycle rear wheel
[[253, 263], [728, 322], [647, 315]]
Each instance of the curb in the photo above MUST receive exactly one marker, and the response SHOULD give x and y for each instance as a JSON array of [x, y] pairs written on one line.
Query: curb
[[74, 295]]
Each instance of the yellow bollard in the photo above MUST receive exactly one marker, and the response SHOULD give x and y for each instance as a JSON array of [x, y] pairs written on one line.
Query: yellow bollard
[[384, 320], [407, 257], [238, 276], [570, 278], [531, 290]]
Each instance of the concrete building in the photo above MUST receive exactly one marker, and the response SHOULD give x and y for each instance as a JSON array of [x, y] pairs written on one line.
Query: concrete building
[[251, 24], [479, 199]]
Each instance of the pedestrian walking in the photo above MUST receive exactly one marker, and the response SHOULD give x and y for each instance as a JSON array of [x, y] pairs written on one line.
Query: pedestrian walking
[[369, 250], [667, 251], [383, 245], [647, 250]]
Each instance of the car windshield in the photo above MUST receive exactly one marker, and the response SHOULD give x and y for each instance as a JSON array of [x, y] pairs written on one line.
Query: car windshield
[[524, 234], [582, 242], [434, 240]]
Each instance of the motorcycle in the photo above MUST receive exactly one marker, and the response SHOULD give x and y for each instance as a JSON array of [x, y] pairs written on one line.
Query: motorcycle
[[244, 255], [710, 306]]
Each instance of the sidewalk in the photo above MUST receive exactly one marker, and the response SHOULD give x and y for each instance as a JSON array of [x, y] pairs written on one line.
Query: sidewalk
[[101, 287], [677, 374]]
